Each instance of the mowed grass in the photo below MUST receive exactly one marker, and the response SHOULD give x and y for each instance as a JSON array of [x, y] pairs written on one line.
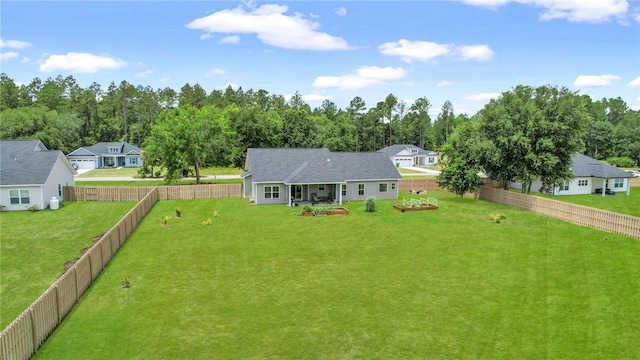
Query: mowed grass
[[125, 183], [261, 282], [133, 172], [620, 203], [35, 246]]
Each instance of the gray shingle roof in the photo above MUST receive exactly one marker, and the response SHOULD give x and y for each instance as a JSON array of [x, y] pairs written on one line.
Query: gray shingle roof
[[392, 150], [307, 166], [101, 148], [25, 162], [584, 166]]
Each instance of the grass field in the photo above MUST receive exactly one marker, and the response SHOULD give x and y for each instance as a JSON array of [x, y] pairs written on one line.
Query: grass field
[[133, 172], [261, 282], [35, 246], [152, 182], [620, 203]]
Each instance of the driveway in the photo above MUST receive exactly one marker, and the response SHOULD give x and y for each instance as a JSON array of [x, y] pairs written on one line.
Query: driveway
[[423, 170]]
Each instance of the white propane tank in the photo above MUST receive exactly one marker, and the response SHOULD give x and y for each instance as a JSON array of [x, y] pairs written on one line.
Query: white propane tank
[[54, 204]]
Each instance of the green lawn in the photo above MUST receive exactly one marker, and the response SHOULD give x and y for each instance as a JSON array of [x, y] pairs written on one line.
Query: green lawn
[[620, 203], [152, 182], [133, 172], [35, 246], [261, 282]]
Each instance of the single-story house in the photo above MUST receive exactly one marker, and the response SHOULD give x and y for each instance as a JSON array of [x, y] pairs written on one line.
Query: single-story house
[[292, 176], [410, 155], [32, 175], [590, 176], [106, 154]]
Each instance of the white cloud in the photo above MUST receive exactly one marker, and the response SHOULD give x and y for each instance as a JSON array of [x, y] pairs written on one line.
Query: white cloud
[[423, 51], [315, 98], [340, 11], [8, 55], [164, 79], [80, 63], [443, 83], [635, 82], [233, 39], [481, 96], [14, 44], [474, 52], [414, 50], [144, 73], [271, 26], [215, 71], [595, 80], [25, 60], [591, 11], [205, 36], [363, 77]]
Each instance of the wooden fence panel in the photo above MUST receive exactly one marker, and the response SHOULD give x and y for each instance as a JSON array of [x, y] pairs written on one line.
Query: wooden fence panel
[[418, 184], [67, 291], [95, 253], [577, 214], [114, 240], [44, 316], [83, 274], [16, 341], [121, 228], [106, 251]]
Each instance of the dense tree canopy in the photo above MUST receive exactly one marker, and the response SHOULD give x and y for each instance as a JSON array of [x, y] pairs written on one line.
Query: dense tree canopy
[[65, 116]]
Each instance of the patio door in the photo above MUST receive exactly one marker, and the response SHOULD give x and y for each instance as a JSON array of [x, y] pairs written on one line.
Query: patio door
[[296, 191]]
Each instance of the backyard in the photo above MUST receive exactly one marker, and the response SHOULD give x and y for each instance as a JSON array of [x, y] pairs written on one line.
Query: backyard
[[620, 203], [35, 247], [263, 282]]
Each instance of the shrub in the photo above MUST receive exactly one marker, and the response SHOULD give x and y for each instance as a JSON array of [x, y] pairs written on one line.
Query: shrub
[[370, 204], [307, 208], [497, 218], [165, 220], [33, 208], [178, 213]]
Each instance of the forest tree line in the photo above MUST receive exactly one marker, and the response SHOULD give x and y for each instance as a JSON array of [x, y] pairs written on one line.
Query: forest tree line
[[65, 116]]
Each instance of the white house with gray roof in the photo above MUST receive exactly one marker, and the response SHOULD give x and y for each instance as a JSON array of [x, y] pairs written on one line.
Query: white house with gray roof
[[292, 176], [32, 175], [106, 154], [410, 155], [590, 176]]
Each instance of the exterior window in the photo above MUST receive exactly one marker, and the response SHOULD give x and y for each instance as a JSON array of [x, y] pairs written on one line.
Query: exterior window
[[59, 189], [361, 189], [564, 186], [431, 160], [393, 186], [113, 150], [134, 161], [272, 192], [618, 183], [321, 187], [382, 187], [583, 182], [19, 197], [344, 189]]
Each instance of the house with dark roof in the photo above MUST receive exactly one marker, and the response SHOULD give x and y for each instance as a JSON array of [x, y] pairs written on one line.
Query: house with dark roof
[[32, 175], [409, 155], [291, 176], [590, 176], [106, 154]]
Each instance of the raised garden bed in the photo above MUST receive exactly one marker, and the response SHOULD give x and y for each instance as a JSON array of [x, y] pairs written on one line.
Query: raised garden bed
[[326, 211], [419, 208], [417, 204]]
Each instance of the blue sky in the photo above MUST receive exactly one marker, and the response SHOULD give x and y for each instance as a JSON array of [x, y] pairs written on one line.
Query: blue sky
[[464, 51]]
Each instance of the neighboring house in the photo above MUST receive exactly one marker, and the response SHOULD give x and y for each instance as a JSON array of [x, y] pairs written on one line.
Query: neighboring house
[[32, 175], [106, 154], [410, 155], [590, 176], [289, 176]]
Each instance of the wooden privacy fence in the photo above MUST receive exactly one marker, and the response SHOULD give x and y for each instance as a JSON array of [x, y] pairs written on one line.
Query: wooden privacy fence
[[27, 333], [582, 215], [135, 193], [418, 184]]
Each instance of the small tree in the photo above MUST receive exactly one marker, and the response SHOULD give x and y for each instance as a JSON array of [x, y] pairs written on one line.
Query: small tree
[[370, 204]]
